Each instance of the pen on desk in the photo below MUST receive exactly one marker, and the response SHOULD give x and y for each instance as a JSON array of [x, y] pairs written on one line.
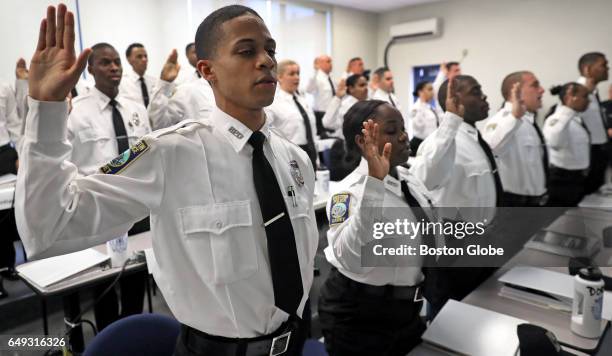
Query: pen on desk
[[291, 193]]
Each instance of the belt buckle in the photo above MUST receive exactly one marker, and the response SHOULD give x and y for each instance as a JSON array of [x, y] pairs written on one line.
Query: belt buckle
[[418, 296], [280, 344]]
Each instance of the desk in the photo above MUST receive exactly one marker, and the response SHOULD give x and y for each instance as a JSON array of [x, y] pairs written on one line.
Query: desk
[[487, 296], [70, 287]]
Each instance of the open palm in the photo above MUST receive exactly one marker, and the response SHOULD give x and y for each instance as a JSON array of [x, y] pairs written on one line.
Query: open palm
[[54, 68], [378, 162]]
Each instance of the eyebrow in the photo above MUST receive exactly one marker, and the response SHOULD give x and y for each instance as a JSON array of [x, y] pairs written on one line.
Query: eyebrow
[[251, 41]]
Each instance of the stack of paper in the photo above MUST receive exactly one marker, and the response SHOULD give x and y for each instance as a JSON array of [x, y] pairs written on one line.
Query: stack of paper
[[54, 269]]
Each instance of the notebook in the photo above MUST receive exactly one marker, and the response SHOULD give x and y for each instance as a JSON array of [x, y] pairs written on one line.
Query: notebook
[[470, 330]]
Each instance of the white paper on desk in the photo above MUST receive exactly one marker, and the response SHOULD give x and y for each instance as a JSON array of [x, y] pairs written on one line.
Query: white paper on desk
[[54, 269], [152, 265], [8, 178], [470, 330]]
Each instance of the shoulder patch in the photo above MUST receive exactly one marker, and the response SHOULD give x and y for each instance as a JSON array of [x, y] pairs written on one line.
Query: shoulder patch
[[125, 159], [339, 211]]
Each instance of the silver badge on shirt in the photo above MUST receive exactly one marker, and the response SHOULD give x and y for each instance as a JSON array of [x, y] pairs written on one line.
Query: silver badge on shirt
[[135, 120], [296, 173]]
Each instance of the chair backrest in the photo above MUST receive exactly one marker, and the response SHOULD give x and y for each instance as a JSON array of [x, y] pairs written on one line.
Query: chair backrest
[[142, 334]]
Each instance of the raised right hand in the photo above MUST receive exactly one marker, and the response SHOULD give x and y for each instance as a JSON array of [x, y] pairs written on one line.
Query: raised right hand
[[341, 89], [171, 68], [54, 68], [378, 162], [454, 103], [21, 70]]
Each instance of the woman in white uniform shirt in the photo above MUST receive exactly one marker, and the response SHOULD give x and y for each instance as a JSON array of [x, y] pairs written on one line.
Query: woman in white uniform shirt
[[424, 118], [372, 310], [568, 144], [356, 90]]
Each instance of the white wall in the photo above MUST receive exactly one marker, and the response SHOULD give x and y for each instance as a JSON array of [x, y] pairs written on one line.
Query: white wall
[[502, 36], [354, 34]]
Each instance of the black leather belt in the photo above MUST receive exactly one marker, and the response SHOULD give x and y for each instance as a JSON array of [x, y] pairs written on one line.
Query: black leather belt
[[388, 291], [574, 173], [527, 200], [275, 344]]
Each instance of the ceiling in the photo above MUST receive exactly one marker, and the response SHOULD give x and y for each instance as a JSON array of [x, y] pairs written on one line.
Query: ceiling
[[376, 5]]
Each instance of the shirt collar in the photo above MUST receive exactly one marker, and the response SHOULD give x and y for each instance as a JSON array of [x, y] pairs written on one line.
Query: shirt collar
[[582, 80], [469, 130], [233, 130], [391, 184], [135, 76], [283, 94], [527, 116], [565, 111], [102, 99]]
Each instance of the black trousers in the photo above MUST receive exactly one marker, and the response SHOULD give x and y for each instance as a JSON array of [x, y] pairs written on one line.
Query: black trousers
[[597, 171], [359, 325], [565, 187], [131, 288], [8, 227], [517, 200]]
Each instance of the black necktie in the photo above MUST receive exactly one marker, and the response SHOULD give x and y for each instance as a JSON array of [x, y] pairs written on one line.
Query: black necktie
[[120, 133], [544, 150], [331, 84], [420, 214], [499, 190], [601, 111], [145, 92], [282, 250], [436, 115], [309, 138], [391, 100]]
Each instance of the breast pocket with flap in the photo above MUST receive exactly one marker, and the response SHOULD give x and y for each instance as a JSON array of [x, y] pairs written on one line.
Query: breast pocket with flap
[[220, 241]]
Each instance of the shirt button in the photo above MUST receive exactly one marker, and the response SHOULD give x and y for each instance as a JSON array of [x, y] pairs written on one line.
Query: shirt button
[[218, 224]]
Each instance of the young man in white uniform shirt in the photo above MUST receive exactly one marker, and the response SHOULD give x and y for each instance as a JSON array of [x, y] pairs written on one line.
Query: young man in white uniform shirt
[[518, 142], [290, 112], [136, 84], [236, 287], [386, 88]]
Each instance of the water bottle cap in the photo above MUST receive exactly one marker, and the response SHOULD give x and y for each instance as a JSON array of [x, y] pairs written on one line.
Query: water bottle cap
[[590, 274]]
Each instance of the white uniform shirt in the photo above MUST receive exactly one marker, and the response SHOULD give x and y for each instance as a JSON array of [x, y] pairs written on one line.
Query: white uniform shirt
[[92, 134], [171, 104], [567, 140], [380, 94], [334, 115], [518, 150], [21, 94], [187, 75], [424, 119], [130, 87], [10, 123], [196, 181], [372, 200], [453, 166], [321, 90], [285, 115], [592, 118]]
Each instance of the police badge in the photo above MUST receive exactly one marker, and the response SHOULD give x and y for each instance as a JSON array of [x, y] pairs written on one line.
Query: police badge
[[296, 173]]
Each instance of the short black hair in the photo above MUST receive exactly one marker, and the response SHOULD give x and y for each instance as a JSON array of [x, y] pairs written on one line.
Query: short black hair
[[450, 64], [588, 59], [562, 90], [354, 119], [128, 51], [420, 86], [459, 82], [510, 80], [209, 33], [354, 59], [351, 81], [380, 72], [189, 45], [95, 48]]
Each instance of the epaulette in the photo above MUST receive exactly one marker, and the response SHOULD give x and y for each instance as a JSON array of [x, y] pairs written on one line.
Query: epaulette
[[179, 128]]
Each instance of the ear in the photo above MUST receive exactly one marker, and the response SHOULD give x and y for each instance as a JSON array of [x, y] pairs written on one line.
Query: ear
[[89, 70], [360, 141], [206, 69]]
